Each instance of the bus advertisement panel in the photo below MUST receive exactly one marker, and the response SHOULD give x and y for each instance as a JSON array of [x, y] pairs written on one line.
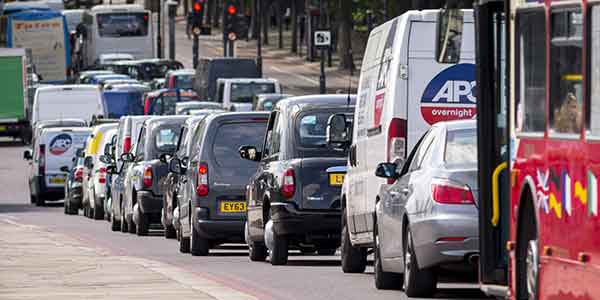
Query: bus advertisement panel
[[46, 34]]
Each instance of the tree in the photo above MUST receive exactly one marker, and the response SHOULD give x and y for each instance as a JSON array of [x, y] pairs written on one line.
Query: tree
[[294, 20], [345, 35]]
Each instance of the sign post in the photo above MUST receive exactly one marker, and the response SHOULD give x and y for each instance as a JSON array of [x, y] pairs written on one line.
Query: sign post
[[322, 40]]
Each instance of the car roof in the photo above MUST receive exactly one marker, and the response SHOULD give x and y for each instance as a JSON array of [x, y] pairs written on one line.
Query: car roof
[[116, 8], [166, 119], [225, 116], [104, 127], [457, 124], [248, 80], [182, 72], [66, 128], [316, 101]]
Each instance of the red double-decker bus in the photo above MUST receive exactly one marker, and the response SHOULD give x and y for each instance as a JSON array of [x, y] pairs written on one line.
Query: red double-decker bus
[[538, 73]]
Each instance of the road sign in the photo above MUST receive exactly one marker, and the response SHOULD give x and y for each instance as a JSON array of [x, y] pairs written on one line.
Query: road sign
[[322, 38]]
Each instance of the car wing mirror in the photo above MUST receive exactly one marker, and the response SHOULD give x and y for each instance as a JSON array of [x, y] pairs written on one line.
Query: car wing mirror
[[386, 170], [175, 166], [249, 153], [127, 157], [165, 157], [87, 162], [27, 155], [65, 169], [79, 152], [112, 169], [106, 159], [107, 149], [337, 130]]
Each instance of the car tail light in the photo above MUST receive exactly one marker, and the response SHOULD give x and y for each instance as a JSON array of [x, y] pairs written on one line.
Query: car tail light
[[396, 141], [127, 144], [288, 185], [42, 159], [102, 175], [78, 175], [447, 193], [202, 185], [451, 239], [147, 179]]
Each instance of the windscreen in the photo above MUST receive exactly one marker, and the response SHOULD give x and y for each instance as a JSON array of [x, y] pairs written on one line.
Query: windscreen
[[184, 82], [166, 105], [245, 92], [461, 147], [165, 139], [122, 24], [312, 126], [230, 137]]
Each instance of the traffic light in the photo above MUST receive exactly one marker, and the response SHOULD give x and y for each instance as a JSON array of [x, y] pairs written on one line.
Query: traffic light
[[197, 15], [236, 24]]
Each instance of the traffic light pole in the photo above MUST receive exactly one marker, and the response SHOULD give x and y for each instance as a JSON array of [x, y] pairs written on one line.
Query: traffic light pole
[[259, 38], [195, 51], [322, 88]]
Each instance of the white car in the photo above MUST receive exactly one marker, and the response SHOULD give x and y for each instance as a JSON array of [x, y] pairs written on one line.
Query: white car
[[49, 160], [402, 91], [237, 94], [94, 171]]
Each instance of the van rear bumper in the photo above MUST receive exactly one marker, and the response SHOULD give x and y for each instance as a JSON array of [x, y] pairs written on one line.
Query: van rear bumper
[[318, 225], [45, 192], [149, 203]]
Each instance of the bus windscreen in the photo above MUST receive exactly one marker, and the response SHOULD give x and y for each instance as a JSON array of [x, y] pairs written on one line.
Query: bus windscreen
[[122, 24]]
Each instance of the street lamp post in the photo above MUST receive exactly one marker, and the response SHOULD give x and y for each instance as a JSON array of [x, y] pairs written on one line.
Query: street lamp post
[[259, 37]]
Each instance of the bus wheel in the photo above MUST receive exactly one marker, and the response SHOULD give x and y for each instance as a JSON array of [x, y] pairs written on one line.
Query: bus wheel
[[527, 252]]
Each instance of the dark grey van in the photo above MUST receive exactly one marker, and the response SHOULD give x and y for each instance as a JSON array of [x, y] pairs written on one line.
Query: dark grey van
[[212, 207], [212, 68]]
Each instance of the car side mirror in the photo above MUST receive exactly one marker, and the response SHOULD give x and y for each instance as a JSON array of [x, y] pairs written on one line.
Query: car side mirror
[[79, 152], [107, 149], [112, 169], [65, 169], [165, 157], [106, 159], [127, 157], [88, 162], [337, 130], [249, 153], [386, 170], [449, 35], [175, 166], [27, 155]]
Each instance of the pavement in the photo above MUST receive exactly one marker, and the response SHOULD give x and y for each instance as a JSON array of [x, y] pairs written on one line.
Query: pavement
[[52, 265]]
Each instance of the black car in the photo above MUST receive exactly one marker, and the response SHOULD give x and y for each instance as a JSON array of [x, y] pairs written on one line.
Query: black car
[[294, 197], [212, 206], [73, 184], [146, 69], [172, 182], [146, 172]]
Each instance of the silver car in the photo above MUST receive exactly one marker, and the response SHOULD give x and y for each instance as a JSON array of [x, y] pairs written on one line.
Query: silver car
[[426, 219]]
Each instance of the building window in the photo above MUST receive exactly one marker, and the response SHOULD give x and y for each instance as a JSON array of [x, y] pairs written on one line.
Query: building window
[[531, 71], [566, 82], [593, 107]]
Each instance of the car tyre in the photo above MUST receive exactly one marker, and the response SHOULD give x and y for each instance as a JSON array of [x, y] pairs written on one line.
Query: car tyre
[[69, 210], [40, 201], [384, 280], [115, 225], [131, 225], [420, 283], [257, 252], [354, 259], [123, 222], [184, 244], [170, 232], [98, 213], [32, 199], [279, 254], [198, 246], [142, 227]]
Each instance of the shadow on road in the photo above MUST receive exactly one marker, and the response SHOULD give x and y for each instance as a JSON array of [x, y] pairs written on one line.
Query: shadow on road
[[314, 263], [460, 294], [24, 208], [7, 144]]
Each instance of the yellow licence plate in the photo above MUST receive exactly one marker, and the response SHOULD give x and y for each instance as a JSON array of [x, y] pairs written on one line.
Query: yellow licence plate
[[3, 127], [233, 206], [336, 179], [57, 180]]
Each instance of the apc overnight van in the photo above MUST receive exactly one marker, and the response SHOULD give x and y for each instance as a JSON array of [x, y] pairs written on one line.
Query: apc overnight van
[[402, 91]]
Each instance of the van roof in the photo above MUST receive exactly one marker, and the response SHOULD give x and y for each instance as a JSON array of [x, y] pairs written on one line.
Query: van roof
[[248, 80], [430, 15], [68, 87], [116, 8], [64, 129]]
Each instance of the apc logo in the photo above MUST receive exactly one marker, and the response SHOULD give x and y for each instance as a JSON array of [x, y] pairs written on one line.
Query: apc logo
[[60, 144], [450, 95]]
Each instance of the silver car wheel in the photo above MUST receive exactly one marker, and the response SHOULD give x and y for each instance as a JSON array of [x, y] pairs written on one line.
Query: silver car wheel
[[532, 269]]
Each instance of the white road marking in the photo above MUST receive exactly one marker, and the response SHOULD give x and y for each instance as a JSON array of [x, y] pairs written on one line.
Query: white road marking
[[276, 69]]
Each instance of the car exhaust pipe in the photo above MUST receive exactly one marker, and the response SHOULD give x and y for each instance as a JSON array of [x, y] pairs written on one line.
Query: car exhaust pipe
[[473, 259]]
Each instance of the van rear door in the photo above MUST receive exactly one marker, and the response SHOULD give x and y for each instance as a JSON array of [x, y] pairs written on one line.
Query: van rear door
[[437, 92], [61, 146]]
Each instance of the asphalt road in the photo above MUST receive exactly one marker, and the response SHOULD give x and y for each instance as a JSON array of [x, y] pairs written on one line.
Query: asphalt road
[[306, 277]]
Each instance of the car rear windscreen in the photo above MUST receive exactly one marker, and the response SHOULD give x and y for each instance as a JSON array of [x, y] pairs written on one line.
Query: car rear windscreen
[[245, 92], [312, 127], [165, 139], [461, 147], [231, 136], [184, 82]]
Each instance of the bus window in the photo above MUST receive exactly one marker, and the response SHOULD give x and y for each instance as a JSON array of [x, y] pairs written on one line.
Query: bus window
[[593, 116], [566, 71], [122, 24], [531, 71]]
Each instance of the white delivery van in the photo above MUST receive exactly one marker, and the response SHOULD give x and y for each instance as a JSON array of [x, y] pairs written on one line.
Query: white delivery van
[[94, 187], [402, 91], [54, 149], [237, 94], [57, 102]]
